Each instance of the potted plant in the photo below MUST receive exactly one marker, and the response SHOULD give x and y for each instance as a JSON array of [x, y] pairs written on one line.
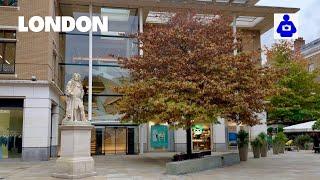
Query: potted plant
[[302, 140], [282, 139], [243, 140], [264, 144], [275, 146], [256, 147]]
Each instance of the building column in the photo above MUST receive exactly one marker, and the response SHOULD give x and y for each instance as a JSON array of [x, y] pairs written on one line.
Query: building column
[[180, 140], [141, 133], [257, 129], [219, 136], [90, 68], [234, 29], [54, 130], [140, 28], [36, 129], [141, 127]]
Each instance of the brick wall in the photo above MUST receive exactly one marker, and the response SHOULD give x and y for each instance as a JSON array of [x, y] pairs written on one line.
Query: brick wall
[[251, 40], [315, 60], [34, 51]]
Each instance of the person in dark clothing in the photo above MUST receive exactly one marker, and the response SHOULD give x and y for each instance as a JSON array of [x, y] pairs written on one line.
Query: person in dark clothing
[[316, 146]]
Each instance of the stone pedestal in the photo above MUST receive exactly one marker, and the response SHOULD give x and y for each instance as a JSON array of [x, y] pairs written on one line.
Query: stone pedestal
[[75, 160]]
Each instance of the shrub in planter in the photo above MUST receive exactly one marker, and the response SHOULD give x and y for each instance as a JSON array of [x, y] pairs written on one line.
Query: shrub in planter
[[243, 140], [302, 141], [264, 144], [275, 146], [183, 156], [256, 147], [281, 148], [281, 139]]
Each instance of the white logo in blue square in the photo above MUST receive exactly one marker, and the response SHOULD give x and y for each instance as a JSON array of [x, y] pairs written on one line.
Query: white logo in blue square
[[286, 26]]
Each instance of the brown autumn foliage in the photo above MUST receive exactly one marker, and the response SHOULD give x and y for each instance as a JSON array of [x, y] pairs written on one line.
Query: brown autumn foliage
[[188, 74]]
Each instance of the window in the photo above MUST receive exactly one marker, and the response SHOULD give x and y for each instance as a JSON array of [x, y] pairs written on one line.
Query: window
[[311, 67], [7, 51], [9, 3]]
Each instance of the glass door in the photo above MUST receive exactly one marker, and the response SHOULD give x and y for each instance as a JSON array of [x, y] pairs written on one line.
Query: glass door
[[99, 142], [121, 140], [109, 140], [115, 140]]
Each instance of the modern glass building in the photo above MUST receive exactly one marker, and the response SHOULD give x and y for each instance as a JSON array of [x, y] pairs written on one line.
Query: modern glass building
[[35, 67], [109, 136]]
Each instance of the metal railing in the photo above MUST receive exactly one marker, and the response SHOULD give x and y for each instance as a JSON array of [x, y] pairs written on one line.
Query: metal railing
[[8, 2], [7, 68]]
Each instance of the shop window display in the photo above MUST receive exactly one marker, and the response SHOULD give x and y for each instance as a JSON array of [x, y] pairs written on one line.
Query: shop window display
[[201, 137], [10, 133]]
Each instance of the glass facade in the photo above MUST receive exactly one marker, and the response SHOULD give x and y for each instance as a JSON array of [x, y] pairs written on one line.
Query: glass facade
[[106, 74], [107, 47], [11, 121], [114, 140]]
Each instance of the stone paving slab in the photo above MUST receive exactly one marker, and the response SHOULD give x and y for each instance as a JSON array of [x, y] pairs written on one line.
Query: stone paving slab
[[303, 165]]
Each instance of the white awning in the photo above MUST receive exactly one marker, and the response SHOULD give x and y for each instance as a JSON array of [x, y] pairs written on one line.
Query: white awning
[[303, 127]]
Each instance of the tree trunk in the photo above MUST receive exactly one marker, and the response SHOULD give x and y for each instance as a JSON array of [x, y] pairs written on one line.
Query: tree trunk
[[189, 143]]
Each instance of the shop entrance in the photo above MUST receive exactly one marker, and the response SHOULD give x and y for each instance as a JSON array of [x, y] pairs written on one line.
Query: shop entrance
[[115, 140], [112, 140], [11, 125]]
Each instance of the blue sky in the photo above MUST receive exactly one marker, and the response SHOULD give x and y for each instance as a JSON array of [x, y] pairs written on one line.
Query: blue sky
[[309, 18]]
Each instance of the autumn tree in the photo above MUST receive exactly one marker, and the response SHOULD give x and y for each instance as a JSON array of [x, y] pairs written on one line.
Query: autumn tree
[[299, 97], [188, 75]]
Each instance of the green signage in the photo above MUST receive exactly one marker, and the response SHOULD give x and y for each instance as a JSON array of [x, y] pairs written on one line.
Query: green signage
[[197, 129], [159, 136]]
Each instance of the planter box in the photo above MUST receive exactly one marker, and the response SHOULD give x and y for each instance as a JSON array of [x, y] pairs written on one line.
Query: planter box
[[202, 164]]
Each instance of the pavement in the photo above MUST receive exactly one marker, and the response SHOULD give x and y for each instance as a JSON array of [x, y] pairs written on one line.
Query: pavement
[[304, 165]]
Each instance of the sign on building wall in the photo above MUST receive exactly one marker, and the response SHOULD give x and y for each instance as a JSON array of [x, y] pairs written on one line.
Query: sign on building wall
[[159, 136], [232, 135], [233, 138]]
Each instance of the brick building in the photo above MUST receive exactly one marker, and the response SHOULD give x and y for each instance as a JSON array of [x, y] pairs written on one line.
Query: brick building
[[311, 52], [30, 83]]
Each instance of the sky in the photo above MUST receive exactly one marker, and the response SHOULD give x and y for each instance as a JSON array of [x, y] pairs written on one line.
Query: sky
[[309, 18]]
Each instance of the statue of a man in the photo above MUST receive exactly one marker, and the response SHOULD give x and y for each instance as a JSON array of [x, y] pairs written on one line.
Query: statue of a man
[[74, 93]]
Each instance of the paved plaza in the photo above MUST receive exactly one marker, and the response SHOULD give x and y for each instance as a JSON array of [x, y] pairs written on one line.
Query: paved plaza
[[291, 165]]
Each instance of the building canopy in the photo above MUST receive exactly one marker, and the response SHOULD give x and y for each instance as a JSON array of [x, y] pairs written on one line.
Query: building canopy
[[303, 127], [249, 16]]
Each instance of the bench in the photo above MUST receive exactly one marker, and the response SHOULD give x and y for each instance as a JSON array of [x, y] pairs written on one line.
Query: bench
[[316, 149]]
